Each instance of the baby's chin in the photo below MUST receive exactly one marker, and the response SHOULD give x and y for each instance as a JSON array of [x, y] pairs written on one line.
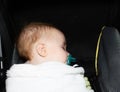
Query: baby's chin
[[63, 62], [59, 61]]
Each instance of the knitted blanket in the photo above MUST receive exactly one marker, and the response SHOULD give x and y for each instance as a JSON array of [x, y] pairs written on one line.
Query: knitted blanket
[[45, 77]]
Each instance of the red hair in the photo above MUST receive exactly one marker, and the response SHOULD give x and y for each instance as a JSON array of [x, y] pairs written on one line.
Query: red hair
[[29, 35]]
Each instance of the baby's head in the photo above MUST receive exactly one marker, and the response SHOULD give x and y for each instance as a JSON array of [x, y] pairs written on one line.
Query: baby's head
[[40, 42]]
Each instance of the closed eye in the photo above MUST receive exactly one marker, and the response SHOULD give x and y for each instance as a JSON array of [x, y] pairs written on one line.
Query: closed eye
[[64, 47]]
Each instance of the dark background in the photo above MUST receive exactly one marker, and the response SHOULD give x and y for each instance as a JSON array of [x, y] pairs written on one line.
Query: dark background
[[81, 21]]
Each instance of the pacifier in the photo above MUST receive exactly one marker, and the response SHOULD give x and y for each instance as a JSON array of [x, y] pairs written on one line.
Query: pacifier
[[70, 59]]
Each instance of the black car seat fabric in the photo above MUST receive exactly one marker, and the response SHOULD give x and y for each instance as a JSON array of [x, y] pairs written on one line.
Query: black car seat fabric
[[6, 49], [1, 67], [108, 60], [16, 59]]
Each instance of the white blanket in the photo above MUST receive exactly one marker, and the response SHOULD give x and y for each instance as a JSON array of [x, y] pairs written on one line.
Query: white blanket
[[46, 77]]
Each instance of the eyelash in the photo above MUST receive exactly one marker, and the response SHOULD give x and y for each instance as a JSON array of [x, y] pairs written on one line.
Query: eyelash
[[64, 48]]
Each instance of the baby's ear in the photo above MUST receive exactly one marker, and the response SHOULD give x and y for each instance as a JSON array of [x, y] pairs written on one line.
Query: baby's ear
[[41, 49]]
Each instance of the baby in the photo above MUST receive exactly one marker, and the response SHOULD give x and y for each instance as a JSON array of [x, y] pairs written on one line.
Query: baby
[[46, 69]]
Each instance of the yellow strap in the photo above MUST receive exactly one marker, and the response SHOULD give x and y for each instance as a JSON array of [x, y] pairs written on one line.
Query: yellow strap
[[97, 49]]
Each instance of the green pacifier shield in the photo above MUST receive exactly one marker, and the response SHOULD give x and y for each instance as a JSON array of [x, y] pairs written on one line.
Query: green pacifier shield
[[70, 59]]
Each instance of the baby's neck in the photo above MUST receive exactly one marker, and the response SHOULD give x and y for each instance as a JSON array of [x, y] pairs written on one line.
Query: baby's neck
[[40, 62]]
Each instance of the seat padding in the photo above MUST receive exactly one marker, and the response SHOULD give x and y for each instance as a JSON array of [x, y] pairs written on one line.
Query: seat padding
[[109, 60]]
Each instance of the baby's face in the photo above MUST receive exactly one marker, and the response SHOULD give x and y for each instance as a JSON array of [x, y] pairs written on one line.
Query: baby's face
[[57, 48]]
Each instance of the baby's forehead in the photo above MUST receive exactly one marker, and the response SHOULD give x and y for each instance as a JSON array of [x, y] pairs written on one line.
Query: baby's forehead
[[55, 35], [59, 35]]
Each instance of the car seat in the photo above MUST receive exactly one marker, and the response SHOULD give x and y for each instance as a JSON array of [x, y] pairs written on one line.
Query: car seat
[[16, 59], [107, 60], [2, 73]]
